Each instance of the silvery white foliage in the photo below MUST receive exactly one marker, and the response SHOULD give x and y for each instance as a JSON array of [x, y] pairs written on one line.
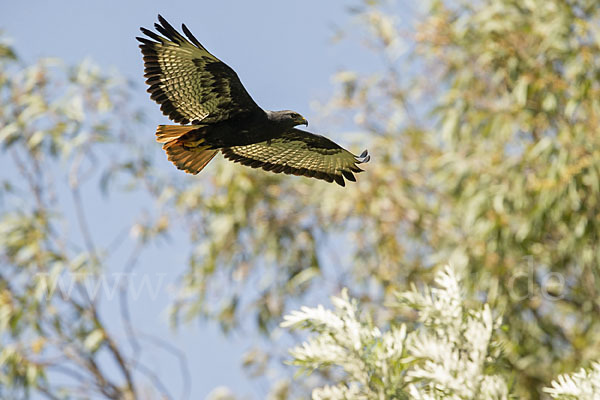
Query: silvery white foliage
[[581, 385], [454, 345], [339, 391], [348, 341], [444, 358]]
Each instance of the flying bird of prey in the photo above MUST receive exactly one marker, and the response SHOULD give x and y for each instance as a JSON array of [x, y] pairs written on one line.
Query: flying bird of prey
[[216, 113]]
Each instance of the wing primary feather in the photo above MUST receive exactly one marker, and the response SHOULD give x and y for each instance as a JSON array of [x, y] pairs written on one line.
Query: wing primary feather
[[157, 95], [152, 70], [339, 180], [148, 48], [167, 29], [348, 175], [364, 157], [153, 80], [152, 35], [145, 42], [167, 25], [165, 32], [191, 37], [163, 26]]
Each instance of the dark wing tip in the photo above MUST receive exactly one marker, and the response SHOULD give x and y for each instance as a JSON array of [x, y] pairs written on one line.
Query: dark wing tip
[[349, 175], [162, 20], [364, 157], [151, 35], [167, 29], [189, 35], [339, 180]]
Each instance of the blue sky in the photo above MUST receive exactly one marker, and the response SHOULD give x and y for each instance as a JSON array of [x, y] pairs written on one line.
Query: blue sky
[[282, 50], [284, 55]]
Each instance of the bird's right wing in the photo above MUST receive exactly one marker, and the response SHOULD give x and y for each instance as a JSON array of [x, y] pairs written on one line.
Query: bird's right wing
[[300, 153], [188, 82]]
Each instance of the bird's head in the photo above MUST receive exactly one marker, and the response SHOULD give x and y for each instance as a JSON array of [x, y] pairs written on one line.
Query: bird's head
[[288, 118]]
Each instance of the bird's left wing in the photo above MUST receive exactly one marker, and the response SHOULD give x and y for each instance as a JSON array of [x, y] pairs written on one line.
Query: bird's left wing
[[188, 82], [300, 153]]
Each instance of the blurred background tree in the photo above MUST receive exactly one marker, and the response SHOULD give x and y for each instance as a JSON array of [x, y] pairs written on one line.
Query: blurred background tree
[[481, 119]]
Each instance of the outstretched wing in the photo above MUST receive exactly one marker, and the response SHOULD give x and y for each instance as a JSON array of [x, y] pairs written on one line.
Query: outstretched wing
[[188, 82], [300, 153]]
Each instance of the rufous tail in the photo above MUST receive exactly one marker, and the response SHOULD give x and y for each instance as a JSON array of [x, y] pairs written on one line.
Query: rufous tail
[[185, 146]]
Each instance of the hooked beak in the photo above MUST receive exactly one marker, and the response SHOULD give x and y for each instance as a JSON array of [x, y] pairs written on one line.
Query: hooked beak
[[304, 122]]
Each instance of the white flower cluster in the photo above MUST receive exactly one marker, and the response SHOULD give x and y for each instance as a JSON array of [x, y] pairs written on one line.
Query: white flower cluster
[[446, 357], [581, 385]]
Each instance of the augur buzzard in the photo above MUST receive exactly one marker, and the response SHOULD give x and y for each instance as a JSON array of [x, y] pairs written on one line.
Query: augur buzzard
[[194, 87]]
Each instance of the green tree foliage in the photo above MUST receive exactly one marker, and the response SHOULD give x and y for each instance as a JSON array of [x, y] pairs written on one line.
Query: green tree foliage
[[58, 127], [518, 177]]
